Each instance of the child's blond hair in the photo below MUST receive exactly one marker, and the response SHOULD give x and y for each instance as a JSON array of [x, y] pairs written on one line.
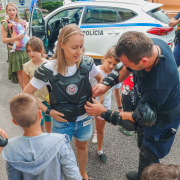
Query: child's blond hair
[[14, 5]]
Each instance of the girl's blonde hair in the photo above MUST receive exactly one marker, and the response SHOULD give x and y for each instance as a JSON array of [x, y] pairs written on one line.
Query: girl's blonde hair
[[17, 14], [36, 44], [110, 54], [66, 32]]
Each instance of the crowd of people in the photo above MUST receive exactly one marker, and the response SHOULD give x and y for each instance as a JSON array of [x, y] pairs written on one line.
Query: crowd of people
[[59, 94]]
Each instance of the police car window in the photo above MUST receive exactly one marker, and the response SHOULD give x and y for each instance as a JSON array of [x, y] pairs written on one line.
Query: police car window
[[71, 15], [159, 14], [100, 15], [126, 14]]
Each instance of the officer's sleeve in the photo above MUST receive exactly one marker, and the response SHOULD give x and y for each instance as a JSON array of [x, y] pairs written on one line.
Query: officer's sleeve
[[156, 97], [129, 69], [177, 16]]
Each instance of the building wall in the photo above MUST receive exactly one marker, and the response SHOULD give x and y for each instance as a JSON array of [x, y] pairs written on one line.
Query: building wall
[[172, 7]]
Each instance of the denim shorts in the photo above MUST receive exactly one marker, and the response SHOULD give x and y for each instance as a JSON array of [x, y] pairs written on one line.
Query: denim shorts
[[75, 129]]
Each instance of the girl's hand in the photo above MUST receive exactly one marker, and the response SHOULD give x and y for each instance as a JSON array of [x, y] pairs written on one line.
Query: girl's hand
[[57, 115], [20, 36]]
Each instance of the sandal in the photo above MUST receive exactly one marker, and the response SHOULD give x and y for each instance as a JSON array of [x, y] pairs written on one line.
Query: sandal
[[89, 179]]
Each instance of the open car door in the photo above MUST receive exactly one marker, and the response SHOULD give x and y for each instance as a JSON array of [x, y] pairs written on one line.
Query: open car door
[[37, 24]]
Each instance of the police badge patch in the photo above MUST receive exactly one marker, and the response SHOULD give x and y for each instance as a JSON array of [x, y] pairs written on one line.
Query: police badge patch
[[71, 89]]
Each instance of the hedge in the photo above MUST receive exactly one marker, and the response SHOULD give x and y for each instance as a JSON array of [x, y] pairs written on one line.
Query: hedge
[[51, 6]]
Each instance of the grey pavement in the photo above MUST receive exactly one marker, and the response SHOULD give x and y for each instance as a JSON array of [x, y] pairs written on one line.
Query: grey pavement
[[121, 150]]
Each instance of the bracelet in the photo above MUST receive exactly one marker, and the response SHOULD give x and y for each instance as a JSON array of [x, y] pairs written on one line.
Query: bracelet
[[48, 111], [120, 107]]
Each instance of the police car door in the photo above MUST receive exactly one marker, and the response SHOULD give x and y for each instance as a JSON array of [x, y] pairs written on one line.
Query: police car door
[[37, 24], [102, 28], [59, 19]]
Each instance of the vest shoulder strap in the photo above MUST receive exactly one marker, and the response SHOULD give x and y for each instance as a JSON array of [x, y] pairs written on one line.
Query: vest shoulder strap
[[87, 63], [43, 73]]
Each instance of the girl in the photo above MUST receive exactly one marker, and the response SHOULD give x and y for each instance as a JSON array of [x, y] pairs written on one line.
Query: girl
[[108, 65], [34, 48], [68, 76], [14, 29], [127, 100]]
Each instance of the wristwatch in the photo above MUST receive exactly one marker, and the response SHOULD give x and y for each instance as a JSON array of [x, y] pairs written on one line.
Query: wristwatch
[[48, 111], [120, 107]]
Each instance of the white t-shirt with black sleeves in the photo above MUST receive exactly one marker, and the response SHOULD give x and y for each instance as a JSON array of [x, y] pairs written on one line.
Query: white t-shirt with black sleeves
[[71, 70]]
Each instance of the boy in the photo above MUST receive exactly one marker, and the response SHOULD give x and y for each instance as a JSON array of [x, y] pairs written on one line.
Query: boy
[[37, 155], [158, 171]]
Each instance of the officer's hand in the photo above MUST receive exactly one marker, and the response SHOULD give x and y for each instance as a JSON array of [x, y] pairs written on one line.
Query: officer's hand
[[99, 89], [57, 115], [95, 109]]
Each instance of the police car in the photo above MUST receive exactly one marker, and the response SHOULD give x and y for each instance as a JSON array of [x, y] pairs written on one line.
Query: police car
[[103, 23]]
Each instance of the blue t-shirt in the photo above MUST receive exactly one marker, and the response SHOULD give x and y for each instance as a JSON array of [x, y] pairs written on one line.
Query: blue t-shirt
[[160, 87], [177, 16], [32, 4]]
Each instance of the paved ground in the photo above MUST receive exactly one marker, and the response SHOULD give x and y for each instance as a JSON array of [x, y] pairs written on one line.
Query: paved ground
[[121, 150]]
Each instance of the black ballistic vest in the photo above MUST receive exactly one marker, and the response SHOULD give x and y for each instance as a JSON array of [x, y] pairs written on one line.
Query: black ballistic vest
[[68, 95]]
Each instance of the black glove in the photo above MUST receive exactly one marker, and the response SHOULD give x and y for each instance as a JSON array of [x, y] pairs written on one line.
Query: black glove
[[115, 119]]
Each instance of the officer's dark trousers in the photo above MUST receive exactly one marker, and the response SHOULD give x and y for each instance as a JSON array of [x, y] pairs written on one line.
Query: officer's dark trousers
[[153, 145]]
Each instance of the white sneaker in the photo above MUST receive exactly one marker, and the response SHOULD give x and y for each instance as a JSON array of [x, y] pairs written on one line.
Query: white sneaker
[[94, 140]]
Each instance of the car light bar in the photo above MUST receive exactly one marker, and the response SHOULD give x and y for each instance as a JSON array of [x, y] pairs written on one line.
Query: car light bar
[[161, 31]]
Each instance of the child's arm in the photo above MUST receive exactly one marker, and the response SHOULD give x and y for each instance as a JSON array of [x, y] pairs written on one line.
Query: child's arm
[[26, 79], [3, 135], [117, 96], [99, 79], [101, 99], [68, 161]]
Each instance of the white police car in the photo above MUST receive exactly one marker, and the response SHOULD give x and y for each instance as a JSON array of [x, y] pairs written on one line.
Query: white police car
[[103, 23]]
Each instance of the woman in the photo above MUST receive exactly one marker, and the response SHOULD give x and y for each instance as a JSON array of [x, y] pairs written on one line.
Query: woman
[[13, 32], [67, 77]]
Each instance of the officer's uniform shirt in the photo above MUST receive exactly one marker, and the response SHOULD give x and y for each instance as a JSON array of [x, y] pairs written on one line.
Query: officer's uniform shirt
[[161, 86]]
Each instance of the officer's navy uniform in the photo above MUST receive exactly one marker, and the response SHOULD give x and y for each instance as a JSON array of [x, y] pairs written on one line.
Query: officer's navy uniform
[[160, 88]]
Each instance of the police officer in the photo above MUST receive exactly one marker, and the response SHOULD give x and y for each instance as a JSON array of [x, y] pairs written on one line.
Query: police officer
[[172, 23], [156, 91]]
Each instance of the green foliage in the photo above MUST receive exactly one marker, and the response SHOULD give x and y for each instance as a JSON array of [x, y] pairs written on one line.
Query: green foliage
[[51, 6]]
